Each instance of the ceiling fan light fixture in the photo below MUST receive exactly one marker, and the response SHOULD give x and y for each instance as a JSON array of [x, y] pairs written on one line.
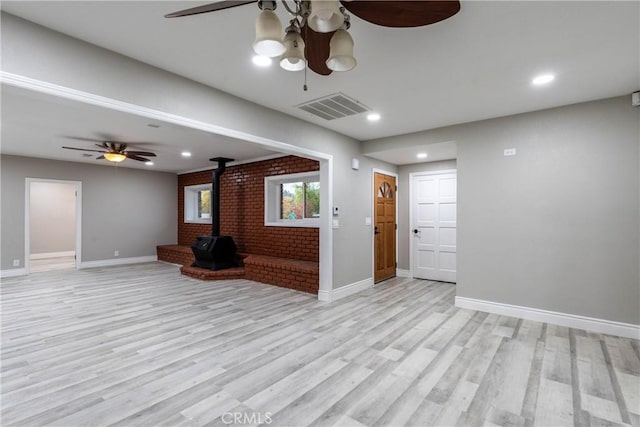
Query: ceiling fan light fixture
[[325, 16], [115, 157], [341, 52], [293, 58], [268, 35]]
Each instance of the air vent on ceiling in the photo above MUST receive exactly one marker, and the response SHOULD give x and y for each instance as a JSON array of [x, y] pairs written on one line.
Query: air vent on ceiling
[[334, 106]]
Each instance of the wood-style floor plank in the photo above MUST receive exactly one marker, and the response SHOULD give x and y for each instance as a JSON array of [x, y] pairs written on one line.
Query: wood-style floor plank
[[142, 345]]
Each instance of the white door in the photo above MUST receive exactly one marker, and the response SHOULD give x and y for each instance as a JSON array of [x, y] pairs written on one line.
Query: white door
[[433, 228]]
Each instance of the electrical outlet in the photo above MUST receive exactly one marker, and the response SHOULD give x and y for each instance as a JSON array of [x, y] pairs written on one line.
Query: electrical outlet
[[116, 253], [16, 263]]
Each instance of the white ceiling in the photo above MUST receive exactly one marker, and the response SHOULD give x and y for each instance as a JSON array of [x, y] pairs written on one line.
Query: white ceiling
[[475, 65], [38, 125]]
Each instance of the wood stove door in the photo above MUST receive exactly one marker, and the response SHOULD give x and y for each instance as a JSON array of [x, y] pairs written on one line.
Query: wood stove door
[[385, 226]]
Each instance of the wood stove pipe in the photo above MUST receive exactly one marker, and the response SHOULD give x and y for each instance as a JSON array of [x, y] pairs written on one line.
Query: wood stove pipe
[[215, 199]]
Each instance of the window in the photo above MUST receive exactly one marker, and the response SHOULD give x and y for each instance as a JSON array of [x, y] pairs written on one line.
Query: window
[[197, 203], [293, 200]]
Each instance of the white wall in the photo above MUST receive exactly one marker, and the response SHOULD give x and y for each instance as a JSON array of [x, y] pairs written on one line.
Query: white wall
[[556, 227], [129, 210], [52, 217]]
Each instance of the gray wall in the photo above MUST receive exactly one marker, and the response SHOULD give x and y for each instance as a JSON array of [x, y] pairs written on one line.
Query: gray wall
[[404, 227], [556, 227], [62, 60], [122, 209], [52, 217]]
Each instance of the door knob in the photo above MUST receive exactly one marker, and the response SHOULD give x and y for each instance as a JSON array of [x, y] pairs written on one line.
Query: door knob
[[375, 230], [416, 231]]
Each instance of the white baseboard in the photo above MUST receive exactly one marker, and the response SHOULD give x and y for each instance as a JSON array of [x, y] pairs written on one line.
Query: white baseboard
[[602, 326], [403, 273], [44, 255], [12, 272], [346, 290], [118, 261], [324, 296]]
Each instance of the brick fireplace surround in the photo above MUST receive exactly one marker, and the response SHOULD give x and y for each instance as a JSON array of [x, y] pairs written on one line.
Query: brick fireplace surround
[[283, 256]]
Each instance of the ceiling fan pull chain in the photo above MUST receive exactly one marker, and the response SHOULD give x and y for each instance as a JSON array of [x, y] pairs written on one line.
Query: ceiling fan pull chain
[[306, 61], [304, 87]]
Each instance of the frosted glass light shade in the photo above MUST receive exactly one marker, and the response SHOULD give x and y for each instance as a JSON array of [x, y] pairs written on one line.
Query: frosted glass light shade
[[293, 58], [268, 35], [341, 52], [115, 157], [325, 16]]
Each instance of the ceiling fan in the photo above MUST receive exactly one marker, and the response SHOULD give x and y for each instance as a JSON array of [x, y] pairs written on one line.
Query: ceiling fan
[[317, 33], [115, 152]]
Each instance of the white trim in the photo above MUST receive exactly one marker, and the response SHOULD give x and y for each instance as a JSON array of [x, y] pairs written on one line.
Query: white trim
[[602, 326], [45, 255], [326, 160], [324, 295], [326, 229], [12, 272], [345, 291], [373, 214], [412, 176], [118, 261], [27, 215], [40, 86], [403, 273]]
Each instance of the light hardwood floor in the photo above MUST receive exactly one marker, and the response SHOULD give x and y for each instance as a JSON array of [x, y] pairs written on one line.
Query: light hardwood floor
[[143, 345]]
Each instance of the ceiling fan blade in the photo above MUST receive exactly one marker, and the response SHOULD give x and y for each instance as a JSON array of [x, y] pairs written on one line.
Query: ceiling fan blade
[[103, 146], [84, 149], [402, 13], [141, 153], [134, 157], [316, 50], [78, 138], [100, 158], [211, 7]]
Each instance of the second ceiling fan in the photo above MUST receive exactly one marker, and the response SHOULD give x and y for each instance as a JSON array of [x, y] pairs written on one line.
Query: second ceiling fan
[[317, 34]]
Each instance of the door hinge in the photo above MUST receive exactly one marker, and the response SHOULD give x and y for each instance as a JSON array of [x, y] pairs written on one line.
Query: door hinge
[[396, 265], [396, 226]]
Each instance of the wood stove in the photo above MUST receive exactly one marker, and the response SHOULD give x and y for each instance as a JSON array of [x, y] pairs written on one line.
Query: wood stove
[[215, 252]]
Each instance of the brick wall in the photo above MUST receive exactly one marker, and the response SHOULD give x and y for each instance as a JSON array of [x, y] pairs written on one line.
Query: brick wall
[[242, 210]]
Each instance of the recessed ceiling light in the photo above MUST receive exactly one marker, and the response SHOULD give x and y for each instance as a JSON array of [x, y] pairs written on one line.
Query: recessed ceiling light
[[149, 163], [261, 61], [543, 79], [186, 154], [373, 117], [421, 155]]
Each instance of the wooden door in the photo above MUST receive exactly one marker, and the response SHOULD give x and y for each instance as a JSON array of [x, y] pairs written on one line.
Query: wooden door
[[434, 227], [385, 226]]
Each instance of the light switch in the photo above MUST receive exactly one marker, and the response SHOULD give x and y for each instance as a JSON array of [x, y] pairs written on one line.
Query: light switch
[[509, 152], [367, 220]]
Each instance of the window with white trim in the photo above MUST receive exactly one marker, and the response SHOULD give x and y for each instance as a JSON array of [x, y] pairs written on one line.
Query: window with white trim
[[197, 204], [292, 200]]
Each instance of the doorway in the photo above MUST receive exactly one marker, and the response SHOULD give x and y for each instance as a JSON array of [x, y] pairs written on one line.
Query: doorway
[[384, 245], [52, 225], [433, 201]]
